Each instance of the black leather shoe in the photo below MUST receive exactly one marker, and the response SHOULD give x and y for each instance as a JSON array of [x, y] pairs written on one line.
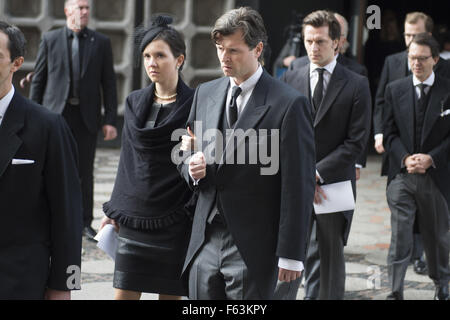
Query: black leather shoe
[[395, 296], [89, 233], [441, 293], [420, 266]]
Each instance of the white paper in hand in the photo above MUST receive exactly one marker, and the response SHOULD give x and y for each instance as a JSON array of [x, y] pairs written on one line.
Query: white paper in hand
[[107, 240], [339, 198]]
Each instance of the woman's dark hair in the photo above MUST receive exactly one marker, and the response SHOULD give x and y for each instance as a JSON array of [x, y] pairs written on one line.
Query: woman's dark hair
[[160, 30], [16, 43]]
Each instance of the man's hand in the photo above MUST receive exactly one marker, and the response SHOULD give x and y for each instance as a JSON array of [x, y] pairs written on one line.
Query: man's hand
[[51, 294], [285, 275], [189, 143], [379, 145], [109, 132], [197, 166], [318, 194], [358, 173], [418, 163], [106, 221]]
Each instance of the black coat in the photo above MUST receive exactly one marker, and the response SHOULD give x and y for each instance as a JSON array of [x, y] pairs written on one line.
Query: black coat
[[396, 67], [399, 129], [352, 65], [267, 215], [40, 203], [341, 126], [51, 81]]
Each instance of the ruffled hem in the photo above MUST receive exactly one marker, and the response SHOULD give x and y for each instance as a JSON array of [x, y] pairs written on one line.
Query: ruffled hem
[[144, 223]]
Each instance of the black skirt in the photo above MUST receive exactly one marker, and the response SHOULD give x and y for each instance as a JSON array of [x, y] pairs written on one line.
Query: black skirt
[[152, 260]]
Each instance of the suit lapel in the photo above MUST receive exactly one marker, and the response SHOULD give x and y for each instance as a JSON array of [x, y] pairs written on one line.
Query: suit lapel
[[9, 140], [302, 81], [406, 106], [216, 105], [65, 49], [335, 86], [253, 112], [433, 111], [89, 43], [401, 66]]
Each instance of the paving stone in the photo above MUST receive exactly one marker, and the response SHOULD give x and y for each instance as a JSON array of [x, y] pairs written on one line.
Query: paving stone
[[98, 266], [367, 245]]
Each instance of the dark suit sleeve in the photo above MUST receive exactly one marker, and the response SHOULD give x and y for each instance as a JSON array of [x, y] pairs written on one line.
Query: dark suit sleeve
[[183, 167], [63, 191], [39, 80], [297, 167], [109, 85], [379, 99], [358, 133], [391, 136]]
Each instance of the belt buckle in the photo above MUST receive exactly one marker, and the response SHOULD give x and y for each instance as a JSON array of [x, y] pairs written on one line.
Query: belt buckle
[[74, 101]]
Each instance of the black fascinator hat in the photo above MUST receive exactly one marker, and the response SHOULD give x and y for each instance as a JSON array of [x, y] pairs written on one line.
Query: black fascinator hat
[[158, 24], [159, 28]]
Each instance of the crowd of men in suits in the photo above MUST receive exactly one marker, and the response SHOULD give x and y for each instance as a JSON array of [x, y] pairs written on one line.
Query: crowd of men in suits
[[253, 235]]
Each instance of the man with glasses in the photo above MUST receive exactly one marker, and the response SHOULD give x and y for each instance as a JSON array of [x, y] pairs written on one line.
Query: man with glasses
[[417, 140], [395, 67]]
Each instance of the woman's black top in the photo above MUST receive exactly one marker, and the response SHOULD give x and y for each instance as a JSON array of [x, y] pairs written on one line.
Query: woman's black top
[[149, 192]]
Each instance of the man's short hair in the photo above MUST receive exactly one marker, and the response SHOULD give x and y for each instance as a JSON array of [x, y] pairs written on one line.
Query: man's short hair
[[323, 18], [16, 40], [425, 39], [246, 19], [414, 17]]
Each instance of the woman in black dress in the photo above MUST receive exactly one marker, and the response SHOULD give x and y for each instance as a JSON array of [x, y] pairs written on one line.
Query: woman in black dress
[[150, 202]]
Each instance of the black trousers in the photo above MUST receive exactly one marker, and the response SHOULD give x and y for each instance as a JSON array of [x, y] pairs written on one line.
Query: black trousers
[[86, 143], [411, 197]]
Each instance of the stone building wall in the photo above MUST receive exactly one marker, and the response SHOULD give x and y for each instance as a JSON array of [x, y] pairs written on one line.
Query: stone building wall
[[116, 19]]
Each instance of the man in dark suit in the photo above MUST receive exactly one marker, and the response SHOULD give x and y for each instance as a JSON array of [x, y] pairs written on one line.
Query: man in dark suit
[[40, 195], [339, 96], [74, 66], [250, 225], [347, 62], [417, 140], [395, 67]]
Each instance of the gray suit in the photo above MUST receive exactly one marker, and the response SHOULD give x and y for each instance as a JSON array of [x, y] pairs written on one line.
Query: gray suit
[[422, 197], [347, 102], [266, 216]]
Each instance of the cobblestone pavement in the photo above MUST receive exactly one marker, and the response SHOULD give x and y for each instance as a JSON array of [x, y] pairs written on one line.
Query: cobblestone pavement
[[365, 254]]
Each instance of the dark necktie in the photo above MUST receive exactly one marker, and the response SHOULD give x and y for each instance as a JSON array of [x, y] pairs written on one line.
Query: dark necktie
[[75, 65], [233, 111], [420, 116], [423, 95], [318, 90]]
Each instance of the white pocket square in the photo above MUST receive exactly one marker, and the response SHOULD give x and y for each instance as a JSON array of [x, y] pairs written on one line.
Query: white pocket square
[[22, 161], [445, 113]]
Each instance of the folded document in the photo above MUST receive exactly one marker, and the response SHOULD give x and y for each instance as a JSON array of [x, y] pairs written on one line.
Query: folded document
[[339, 198], [107, 240]]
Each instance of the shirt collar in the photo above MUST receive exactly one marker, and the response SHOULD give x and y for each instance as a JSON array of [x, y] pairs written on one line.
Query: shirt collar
[[69, 32], [5, 102], [250, 83], [329, 67], [429, 81]]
